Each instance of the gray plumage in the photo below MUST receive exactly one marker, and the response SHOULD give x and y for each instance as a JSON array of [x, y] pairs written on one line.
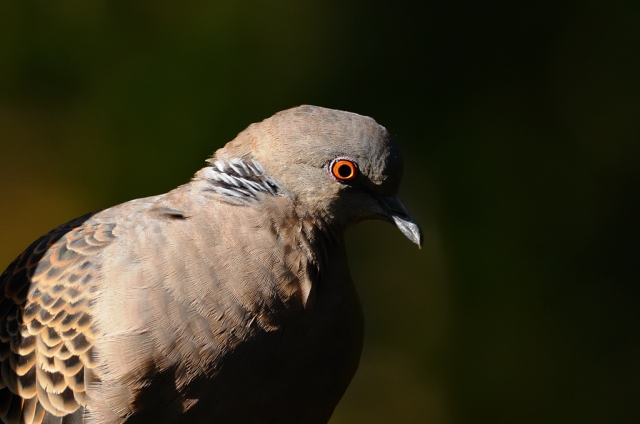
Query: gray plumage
[[225, 300]]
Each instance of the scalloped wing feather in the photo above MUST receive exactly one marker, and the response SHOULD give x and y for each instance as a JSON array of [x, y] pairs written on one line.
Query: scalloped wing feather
[[46, 332]]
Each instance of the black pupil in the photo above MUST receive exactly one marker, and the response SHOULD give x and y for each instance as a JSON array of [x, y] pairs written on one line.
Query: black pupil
[[344, 171]]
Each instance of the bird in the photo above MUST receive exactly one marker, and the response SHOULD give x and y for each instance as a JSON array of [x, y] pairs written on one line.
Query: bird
[[225, 300]]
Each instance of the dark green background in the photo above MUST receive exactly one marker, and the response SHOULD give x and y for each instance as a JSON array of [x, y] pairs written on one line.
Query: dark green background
[[520, 126]]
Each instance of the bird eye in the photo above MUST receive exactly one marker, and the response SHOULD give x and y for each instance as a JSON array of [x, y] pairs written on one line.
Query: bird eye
[[343, 169]]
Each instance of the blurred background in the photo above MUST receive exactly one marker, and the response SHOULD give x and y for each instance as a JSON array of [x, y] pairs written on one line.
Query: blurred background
[[520, 126]]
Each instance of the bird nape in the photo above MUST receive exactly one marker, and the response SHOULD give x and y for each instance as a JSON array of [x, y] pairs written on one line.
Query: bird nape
[[225, 300]]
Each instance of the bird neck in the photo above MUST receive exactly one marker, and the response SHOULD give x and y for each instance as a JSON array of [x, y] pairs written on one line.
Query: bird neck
[[318, 237]]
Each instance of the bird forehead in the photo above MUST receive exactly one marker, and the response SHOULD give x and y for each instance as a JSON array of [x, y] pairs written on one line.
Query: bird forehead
[[314, 134]]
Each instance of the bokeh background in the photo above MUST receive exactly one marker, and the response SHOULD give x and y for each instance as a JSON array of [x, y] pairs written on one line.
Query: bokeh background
[[520, 126]]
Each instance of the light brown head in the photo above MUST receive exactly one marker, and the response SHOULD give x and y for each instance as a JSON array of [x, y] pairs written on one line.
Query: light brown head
[[339, 166]]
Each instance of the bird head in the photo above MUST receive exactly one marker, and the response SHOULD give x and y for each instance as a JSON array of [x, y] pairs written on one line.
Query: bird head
[[339, 166]]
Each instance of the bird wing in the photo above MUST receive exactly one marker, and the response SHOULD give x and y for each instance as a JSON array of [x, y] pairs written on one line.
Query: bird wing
[[46, 332]]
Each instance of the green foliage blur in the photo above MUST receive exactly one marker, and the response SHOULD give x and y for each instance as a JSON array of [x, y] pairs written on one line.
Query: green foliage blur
[[520, 125]]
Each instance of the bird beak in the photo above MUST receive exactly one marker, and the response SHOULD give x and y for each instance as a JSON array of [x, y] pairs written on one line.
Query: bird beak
[[397, 214]]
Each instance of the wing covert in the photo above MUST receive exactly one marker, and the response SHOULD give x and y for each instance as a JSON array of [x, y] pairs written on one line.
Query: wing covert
[[46, 332]]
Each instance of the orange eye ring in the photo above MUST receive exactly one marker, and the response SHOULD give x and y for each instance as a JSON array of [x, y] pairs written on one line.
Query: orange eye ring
[[343, 170]]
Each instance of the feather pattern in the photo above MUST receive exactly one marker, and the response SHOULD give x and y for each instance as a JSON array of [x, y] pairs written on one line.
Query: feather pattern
[[46, 331], [240, 181]]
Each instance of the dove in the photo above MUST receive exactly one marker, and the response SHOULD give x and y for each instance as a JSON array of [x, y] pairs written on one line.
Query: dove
[[225, 300]]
